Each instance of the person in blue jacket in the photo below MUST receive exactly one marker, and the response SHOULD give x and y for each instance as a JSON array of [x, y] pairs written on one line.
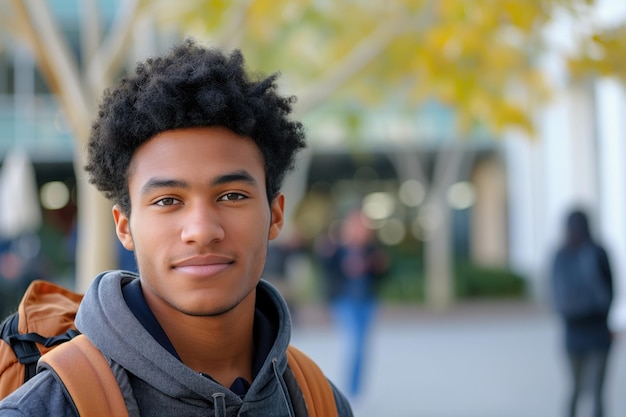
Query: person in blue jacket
[[192, 152], [354, 265]]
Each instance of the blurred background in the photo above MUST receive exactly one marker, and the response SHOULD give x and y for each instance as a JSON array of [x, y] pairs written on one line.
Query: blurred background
[[463, 131]]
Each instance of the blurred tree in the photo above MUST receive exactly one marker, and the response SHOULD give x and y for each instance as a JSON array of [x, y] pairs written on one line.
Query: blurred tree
[[602, 55], [77, 85], [480, 58]]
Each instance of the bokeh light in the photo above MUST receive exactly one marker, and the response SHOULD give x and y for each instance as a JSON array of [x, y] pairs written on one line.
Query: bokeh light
[[378, 205], [392, 232], [54, 195], [461, 195], [411, 193]]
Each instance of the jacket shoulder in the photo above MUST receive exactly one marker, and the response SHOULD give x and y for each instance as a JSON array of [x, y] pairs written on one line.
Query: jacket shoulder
[[308, 385], [42, 395], [343, 406]]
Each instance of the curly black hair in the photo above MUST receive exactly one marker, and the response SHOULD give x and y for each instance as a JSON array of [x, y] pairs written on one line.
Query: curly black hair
[[191, 86]]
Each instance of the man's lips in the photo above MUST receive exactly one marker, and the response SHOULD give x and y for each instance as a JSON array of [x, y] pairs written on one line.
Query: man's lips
[[203, 265]]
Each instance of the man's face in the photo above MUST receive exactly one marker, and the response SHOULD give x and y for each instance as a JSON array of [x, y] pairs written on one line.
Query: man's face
[[200, 220]]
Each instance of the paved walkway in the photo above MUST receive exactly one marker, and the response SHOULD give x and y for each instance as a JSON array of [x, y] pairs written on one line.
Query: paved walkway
[[478, 360]]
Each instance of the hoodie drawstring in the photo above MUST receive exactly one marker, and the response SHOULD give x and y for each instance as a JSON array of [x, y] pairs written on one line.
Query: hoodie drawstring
[[281, 384], [219, 404]]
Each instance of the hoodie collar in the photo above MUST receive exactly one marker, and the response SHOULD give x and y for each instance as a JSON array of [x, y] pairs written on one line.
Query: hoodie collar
[[119, 332]]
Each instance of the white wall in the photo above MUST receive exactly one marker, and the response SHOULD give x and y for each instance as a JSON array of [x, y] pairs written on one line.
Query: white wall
[[611, 114]]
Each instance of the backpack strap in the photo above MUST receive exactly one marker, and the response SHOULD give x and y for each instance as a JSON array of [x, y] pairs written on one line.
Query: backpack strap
[[24, 346], [317, 392], [88, 378]]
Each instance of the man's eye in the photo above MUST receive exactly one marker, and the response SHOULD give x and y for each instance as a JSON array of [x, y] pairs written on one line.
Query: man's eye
[[169, 201], [232, 197]]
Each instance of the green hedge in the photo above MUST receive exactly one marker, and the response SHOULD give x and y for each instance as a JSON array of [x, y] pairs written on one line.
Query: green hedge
[[474, 281], [405, 282]]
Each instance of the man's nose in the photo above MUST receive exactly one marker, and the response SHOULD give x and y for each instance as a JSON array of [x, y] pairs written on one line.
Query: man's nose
[[202, 225]]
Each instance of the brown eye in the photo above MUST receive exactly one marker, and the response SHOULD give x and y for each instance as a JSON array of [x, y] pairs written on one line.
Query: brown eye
[[232, 197], [169, 201]]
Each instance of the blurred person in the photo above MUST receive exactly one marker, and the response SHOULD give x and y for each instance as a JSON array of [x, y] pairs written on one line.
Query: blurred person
[[582, 289], [353, 265], [192, 152]]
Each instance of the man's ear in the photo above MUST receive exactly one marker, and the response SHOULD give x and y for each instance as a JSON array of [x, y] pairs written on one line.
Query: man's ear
[[278, 213], [122, 228]]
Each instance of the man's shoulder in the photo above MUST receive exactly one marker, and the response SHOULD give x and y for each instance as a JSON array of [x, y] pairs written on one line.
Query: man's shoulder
[[42, 395], [344, 409], [315, 388]]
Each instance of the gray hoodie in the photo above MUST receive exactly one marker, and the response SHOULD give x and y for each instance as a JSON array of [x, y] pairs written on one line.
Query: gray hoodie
[[152, 379]]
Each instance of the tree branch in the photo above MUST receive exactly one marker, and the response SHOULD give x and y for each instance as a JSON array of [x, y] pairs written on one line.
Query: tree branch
[[230, 35], [9, 24], [365, 52], [90, 30], [106, 61], [56, 62], [448, 164]]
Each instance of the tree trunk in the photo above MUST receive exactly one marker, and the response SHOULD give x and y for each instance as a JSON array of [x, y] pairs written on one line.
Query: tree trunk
[[438, 260], [438, 274], [96, 245], [95, 251]]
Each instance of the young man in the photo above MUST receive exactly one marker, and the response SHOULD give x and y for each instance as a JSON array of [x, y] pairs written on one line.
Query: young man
[[193, 154]]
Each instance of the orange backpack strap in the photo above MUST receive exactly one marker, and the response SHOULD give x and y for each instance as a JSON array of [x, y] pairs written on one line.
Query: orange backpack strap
[[317, 392], [87, 377]]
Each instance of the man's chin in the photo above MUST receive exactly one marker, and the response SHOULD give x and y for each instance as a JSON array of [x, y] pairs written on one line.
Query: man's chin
[[207, 310]]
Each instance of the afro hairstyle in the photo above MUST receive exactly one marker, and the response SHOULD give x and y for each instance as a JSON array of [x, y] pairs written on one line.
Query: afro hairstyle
[[191, 86]]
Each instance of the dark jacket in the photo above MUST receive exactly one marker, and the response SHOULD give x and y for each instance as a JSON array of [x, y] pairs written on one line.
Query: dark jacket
[[589, 333], [592, 332], [338, 283]]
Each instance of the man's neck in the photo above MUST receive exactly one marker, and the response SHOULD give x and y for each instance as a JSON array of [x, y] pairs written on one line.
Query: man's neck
[[220, 346]]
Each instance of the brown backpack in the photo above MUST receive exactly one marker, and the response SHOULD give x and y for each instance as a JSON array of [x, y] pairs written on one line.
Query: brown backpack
[[44, 325], [44, 319]]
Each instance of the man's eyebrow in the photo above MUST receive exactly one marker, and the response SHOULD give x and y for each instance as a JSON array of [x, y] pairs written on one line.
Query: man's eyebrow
[[236, 176], [156, 183]]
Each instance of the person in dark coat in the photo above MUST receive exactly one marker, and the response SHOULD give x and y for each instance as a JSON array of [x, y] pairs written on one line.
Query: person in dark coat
[[587, 335]]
